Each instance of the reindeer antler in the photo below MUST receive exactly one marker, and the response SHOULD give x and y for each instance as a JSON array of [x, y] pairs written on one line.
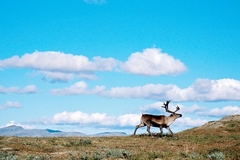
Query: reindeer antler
[[177, 108], [165, 105]]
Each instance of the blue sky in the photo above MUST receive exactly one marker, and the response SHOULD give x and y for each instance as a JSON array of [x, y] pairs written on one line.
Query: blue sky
[[96, 65]]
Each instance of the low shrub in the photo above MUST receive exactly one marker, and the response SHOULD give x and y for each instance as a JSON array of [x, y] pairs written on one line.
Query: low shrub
[[7, 156]]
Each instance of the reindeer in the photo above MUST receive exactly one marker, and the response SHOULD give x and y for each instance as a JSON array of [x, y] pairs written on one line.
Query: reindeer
[[160, 121]]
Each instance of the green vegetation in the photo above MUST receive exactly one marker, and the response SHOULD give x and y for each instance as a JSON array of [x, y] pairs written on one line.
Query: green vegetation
[[217, 143]]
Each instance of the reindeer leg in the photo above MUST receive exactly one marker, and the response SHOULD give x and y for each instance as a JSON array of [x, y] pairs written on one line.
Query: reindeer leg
[[138, 126], [148, 129], [160, 131], [168, 128]]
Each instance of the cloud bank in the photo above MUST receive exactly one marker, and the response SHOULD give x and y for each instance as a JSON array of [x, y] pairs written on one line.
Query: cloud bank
[[93, 119], [61, 67], [227, 110], [58, 61], [200, 90]]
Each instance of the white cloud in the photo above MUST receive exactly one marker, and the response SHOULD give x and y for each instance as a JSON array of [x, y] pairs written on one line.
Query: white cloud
[[200, 90], [25, 126], [221, 112], [10, 104], [157, 106], [128, 119], [214, 90], [26, 90], [81, 118], [154, 91], [152, 62], [192, 109], [189, 122], [94, 119], [77, 88], [64, 77], [60, 65], [58, 61], [57, 76]]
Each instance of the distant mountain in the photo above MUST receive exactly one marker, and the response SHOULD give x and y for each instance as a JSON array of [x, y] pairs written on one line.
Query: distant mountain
[[11, 130], [21, 132], [110, 134]]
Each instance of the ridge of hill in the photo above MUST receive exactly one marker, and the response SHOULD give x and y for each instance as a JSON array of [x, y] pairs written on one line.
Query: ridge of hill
[[222, 123]]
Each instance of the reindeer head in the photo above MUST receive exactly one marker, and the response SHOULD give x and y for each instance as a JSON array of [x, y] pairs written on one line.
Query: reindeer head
[[173, 113]]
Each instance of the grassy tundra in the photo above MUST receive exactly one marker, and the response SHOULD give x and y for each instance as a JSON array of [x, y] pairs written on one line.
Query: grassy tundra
[[215, 140]]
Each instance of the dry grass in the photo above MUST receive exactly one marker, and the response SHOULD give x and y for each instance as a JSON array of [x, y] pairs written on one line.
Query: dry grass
[[198, 143]]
